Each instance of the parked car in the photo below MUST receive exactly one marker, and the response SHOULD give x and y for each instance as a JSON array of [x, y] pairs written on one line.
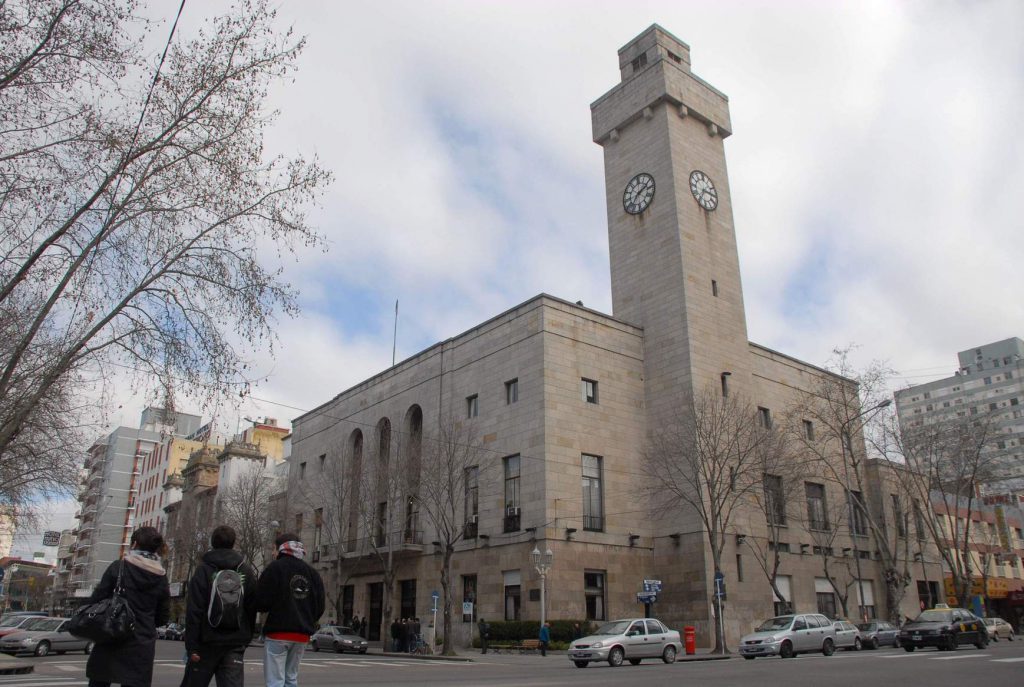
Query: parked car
[[13, 622], [847, 635], [631, 639], [339, 638], [42, 636], [876, 633], [945, 629], [171, 631], [22, 614], [789, 635], [998, 628]]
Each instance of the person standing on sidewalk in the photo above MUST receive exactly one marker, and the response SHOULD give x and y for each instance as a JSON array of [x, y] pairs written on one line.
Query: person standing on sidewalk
[[545, 638], [485, 634], [291, 592], [220, 615]]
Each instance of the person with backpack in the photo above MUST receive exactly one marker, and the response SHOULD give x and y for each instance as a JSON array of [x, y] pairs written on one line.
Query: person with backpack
[[291, 592], [545, 638], [220, 615]]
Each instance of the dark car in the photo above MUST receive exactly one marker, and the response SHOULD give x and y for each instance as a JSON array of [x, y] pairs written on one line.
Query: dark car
[[338, 638], [876, 633], [945, 629]]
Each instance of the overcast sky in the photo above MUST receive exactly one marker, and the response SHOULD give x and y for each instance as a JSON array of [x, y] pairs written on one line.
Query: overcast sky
[[876, 170]]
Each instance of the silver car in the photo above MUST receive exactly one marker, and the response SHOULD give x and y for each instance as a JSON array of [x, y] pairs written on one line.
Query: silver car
[[632, 640], [43, 636], [338, 638], [847, 635], [789, 635], [998, 629]]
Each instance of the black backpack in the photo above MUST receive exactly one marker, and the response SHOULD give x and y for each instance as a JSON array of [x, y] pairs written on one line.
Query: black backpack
[[226, 594]]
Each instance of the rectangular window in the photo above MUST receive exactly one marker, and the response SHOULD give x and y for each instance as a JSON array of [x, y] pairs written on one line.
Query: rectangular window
[[511, 391], [513, 601], [714, 288], [318, 526], [867, 600], [858, 513], [512, 505], [765, 416], [899, 516], [826, 597], [817, 515], [640, 62], [472, 494], [468, 594], [323, 461], [739, 568], [348, 594], [382, 522], [298, 524], [472, 406], [783, 598], [988, 381], [774, 500], [593, 510], [407, 603], [589, 391], [593, 592], [302, 470], [808, 430]]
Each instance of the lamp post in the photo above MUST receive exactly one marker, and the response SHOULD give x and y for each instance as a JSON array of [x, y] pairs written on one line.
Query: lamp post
[[542, 562], [847, 445]]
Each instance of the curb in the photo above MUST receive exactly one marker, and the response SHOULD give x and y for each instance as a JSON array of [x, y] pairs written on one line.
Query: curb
[[12, 666], [426, 657]]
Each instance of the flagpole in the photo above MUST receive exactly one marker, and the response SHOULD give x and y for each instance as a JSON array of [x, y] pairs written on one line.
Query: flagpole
[[394, 341]]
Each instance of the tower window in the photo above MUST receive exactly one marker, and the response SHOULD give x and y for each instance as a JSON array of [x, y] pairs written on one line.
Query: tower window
[[511, 391], [472, 406], [640, 62], [725, 384], [765, 417], [589, 390], [714, 288]]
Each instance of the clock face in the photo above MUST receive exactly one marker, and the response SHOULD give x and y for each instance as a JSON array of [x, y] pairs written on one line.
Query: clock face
[[703, 190], [638, 194]]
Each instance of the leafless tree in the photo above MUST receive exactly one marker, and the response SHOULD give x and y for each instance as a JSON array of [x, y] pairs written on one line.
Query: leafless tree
[[189, 528], [244, 504], [710, 463], [947, 461], [135, 211], [452, 463], [841, 407], [824, 523]]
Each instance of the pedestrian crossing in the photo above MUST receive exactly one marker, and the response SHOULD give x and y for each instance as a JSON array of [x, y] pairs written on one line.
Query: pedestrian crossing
[[31, 680], [963, 655], [375, 662]]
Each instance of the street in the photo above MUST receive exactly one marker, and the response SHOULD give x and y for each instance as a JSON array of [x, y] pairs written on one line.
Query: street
[[1000, 664]]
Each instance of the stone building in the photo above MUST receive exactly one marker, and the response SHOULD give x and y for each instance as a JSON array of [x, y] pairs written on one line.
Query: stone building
[[564, 401]]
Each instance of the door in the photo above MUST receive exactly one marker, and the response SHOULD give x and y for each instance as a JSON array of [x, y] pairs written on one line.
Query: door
[[636, 640], [805, 630], [376, 593], [656, 638]]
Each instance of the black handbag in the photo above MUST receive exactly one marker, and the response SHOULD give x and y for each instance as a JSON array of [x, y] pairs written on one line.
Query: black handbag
[[107, 621]]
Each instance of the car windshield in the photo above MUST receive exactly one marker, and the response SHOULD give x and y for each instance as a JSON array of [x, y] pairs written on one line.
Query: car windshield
[[346, 630], [34, 623], [615, 628], [13, 621], [935, 616], [780, 623], [45, 625]]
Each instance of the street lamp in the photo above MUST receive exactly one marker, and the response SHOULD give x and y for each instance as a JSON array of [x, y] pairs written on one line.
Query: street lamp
[[542, 562], [847, 445]]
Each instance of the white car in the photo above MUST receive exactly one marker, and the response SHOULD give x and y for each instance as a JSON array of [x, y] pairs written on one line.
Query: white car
[[632, 639], [789, 635], [998, 628], [847, 635]]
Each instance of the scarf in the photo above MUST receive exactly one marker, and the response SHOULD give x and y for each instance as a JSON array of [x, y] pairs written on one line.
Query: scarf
[[293, 549], [145, 560]]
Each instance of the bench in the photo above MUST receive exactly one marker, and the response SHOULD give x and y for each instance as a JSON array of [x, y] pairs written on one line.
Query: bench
[[529, 645], [502, 648]]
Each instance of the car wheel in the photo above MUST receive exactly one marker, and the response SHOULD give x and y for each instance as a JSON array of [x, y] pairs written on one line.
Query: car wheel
[[857, 645], [88, 647], [950, 643], [896, 642], [338, 649], [669, 655], [981, 643], [581, 664], [42, 649], [615, 657], [786, 650], [909, 649], [362, 651], [750, 658], [314, 646], [829, 647], [634, 661]]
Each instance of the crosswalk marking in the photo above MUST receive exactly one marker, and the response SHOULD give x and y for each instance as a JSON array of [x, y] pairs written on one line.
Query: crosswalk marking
[[954, 658], [1007, 660]]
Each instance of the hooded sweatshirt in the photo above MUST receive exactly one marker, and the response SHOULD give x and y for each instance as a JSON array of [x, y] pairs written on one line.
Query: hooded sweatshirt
[[198, 631]]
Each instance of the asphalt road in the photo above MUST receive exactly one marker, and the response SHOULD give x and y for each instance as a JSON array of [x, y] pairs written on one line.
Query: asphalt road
[[1000, 664]]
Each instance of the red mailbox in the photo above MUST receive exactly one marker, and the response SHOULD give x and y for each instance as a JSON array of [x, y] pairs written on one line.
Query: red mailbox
[[690, 639]]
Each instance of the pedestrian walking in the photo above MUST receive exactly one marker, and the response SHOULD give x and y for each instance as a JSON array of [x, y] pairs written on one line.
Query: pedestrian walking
[[221, 614], [417, 637], [577, 631], [394, 634], [144, 586], [545, 638], [291, 592], [485, 634], [356, 627]]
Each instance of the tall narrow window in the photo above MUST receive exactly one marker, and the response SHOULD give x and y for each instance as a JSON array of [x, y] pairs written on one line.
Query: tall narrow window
[[468, 595], [589, 391], [593, 593], [298, 524], [899, 516], [512, 511], [511, 391], [765, 417], [817, 515], [725, 383], [918, 520], [472, 497], [382, 523], [774, 500], [858, 513], [714, 288], [323, 461], [513, 602], [302, 470], [808, 430], [472, 405], [318, 525], [593, 510]]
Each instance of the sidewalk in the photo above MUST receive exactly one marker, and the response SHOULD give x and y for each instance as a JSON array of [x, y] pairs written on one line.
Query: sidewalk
[[9, 665], [471, 654]]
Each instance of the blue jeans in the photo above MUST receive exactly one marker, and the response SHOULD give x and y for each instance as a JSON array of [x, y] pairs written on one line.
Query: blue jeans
[[281, 662]]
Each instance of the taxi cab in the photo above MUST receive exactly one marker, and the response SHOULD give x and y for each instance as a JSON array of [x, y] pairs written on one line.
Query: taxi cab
[[944, 628]]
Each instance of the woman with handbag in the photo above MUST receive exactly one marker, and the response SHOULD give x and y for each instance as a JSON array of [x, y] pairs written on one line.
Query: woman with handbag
[[141, 580]]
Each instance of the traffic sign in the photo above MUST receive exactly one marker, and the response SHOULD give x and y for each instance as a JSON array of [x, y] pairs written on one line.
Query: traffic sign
[[719, 577], [652, 586], [435, 595], [467, 608], [646, 597]]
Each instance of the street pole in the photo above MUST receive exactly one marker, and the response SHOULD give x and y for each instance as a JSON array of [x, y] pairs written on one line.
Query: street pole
[[543, 564], [846, 444]]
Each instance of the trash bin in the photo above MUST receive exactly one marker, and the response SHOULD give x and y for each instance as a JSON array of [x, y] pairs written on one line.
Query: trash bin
[[690, 639]]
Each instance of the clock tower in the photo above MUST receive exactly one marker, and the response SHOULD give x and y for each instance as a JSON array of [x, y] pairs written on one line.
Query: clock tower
[[674, 263]]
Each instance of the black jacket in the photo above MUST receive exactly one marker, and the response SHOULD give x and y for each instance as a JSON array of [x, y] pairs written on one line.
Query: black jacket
[[291, 592], [198, 631], [148, 595]]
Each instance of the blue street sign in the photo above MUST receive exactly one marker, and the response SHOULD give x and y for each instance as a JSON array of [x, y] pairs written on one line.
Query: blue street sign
[[646, 597], [435, 596], [719, 576]]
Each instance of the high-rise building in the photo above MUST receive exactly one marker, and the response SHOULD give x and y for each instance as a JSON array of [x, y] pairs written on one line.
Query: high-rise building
[[988, 386]]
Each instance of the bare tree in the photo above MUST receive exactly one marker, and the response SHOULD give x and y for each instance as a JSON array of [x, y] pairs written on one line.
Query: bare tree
[[947, 461], [134, 212], [244, 504], [822, 520], [189, 527], [452, 463], [709, 464], [841, 406]]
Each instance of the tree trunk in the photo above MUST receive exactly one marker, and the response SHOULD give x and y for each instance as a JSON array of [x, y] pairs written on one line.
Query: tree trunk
[[446, 583]]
